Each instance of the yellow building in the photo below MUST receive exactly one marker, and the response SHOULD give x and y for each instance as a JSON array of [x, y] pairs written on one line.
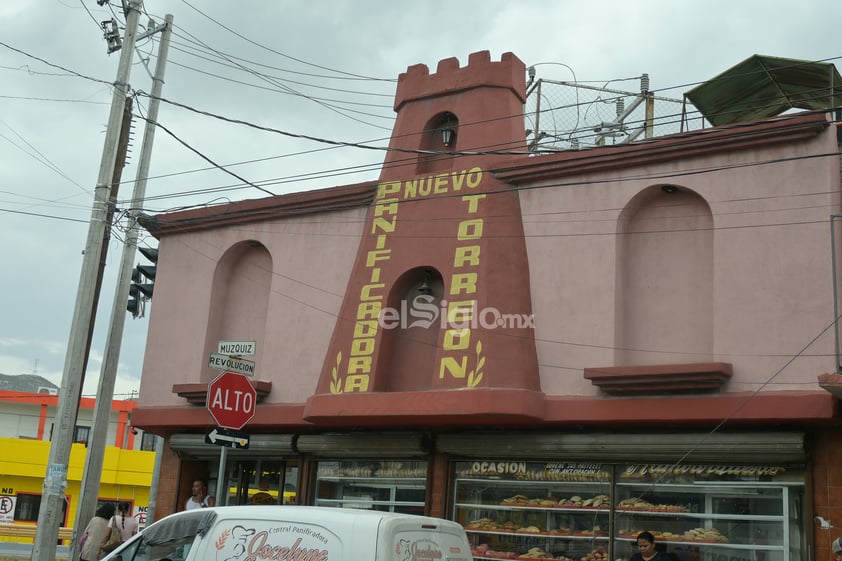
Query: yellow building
[[25, 431]]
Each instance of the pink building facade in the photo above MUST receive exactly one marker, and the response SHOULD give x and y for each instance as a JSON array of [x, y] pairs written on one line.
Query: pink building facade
[[648, 327]]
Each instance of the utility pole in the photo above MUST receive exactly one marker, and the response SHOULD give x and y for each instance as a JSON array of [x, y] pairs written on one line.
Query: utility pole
[[51, 511], [102, 411]]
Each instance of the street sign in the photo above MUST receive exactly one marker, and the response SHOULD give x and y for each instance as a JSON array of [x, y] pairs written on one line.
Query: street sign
[[237, 348], [233, 364], [231, 400], [228, 438]]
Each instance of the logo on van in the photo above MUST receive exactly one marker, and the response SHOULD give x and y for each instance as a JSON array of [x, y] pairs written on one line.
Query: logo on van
[[247, 544], [231, 544], [421, 550]]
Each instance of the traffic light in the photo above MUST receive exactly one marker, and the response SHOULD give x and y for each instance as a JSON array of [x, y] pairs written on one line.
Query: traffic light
[[140, 291]]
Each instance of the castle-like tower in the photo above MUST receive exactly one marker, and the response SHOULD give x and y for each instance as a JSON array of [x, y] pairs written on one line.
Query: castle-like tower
[[439, 298]]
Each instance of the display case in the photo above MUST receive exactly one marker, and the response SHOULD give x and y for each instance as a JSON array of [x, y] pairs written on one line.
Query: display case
[[710, 516], [520, 510], [594, 512], [391, 486]]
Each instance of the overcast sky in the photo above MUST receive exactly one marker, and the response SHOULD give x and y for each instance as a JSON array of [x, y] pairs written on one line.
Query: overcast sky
[[322, 69]]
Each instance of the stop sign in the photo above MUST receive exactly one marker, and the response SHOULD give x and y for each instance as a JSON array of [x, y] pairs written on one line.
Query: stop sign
[[231, 400]]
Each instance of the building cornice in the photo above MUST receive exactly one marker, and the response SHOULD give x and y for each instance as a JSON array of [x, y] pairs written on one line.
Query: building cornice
[[445, 409], [256, 210]]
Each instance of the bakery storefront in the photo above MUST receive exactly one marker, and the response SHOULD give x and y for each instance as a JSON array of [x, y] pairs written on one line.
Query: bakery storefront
[[724, 496], [699, 508], [382, 383]]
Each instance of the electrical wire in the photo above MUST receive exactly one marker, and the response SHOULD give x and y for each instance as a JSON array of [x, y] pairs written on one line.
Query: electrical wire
[[184, 48], [39, 156], [283, 86], [206, 158], [340, 72]]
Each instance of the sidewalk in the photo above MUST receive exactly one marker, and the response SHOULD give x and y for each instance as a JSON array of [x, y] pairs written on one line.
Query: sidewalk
[[23, 551]]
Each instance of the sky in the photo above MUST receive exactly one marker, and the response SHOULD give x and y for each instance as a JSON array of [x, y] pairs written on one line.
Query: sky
[[317, 75]]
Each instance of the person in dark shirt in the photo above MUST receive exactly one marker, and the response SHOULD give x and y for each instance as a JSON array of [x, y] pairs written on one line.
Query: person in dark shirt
[[646, 549]]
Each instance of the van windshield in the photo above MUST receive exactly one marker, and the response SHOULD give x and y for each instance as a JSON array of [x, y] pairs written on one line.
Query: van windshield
[[170, 539], [142, 551]]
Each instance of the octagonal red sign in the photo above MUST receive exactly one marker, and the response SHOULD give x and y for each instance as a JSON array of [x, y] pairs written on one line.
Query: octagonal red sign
[[231, 400]]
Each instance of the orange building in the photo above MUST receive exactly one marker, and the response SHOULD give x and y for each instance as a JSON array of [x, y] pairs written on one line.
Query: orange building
[[25, 435]]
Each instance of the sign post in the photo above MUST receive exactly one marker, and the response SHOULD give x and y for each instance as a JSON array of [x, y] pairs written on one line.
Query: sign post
[[227, 438], [231, 401], [231, 364]]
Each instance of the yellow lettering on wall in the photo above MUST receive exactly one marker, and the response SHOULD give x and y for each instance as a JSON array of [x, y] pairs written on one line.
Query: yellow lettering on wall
[[362, 347], [376, 255], [466, 254], [388, 189], [386, 206], [425, 186], [470, 229], [359, 364], [383, 225], [369, 310], [460, 313], [473, 202], [365, 293], [410, 189], [365, 329], [474, 177], [356, 383], [455, 369], [456, 339], [458, 179], [441, 184], [463, 283]]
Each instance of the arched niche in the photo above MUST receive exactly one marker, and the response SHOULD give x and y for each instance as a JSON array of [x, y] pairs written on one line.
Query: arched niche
[[411, 330], [440, 136], [240, 296], [664, 267]]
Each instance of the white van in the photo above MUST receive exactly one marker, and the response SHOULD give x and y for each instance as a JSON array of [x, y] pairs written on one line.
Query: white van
[[295, 533]]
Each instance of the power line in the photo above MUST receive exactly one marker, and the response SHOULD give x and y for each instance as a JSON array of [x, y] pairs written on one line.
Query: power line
[[341, 72], [12, 211], [326, 101], [228, 56], [276, 83], [53, 65], [207, 159]]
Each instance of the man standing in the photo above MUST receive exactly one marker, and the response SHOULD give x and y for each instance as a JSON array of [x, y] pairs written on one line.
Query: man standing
[[199, 497]]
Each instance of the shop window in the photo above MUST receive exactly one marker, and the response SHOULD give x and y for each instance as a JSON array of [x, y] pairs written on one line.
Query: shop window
[[147, 442], [81, 434], [27, 506], [390, 486], [262, 482]]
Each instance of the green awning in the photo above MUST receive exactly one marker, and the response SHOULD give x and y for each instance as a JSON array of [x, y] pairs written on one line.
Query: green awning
[[765, 86]]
